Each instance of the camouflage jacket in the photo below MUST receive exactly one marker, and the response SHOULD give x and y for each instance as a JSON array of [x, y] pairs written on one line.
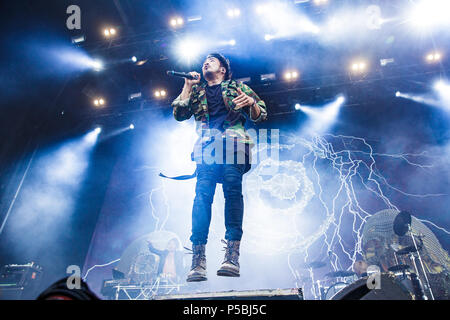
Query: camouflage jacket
[[197, 106]]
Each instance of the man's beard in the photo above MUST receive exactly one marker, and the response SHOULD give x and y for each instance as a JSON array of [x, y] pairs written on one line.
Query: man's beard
[[209, 75]]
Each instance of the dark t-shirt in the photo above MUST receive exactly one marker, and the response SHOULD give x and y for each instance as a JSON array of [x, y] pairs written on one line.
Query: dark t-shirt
[[216, 107], [218, 113]]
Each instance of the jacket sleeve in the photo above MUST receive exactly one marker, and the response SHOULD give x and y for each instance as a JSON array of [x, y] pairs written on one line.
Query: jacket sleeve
[[261, 104], [182, 109]]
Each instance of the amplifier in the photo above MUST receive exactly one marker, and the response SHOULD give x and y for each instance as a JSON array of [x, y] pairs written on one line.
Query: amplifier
[[19, 281]]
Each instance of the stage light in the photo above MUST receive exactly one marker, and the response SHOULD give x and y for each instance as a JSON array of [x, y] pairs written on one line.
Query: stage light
[[268, 37], [131, 126], [233, 13], [99, 102], [358, 66], [160, 94], [134, 59], [397, 94], [433, 57], [190, 48], [321, 119], [232, 42], [176, 22], [297, 106], [98, 130], [291, 75], [430, 13], [97, 65], [109, 32], [261, 9], [320, 2], [443, 89]]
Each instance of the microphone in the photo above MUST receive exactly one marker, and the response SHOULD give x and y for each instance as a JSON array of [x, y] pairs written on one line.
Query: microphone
[[181, 74]]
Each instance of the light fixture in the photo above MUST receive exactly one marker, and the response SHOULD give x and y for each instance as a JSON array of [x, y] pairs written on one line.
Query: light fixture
[[109, 32], [434, 57], [233, 13], [291, 75], [160, 94], [358, 66], [176, 22], [99, 102]]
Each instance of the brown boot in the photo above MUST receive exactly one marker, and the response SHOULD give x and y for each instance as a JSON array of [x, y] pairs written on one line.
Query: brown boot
[[198, 268], [230, 265]]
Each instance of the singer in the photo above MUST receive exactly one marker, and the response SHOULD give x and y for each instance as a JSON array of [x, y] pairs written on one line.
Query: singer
[[220, 107]]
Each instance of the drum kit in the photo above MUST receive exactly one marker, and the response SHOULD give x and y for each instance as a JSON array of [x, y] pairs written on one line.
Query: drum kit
[[405, 277]]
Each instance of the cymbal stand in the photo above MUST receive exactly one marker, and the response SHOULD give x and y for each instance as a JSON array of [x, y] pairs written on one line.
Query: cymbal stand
[[427, 283]]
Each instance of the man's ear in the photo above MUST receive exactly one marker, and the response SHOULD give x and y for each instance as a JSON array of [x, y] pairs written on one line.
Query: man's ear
[[223, 70]]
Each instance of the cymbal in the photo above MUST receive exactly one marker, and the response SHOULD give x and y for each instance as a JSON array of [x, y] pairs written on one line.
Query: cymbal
[[315, 265], [340, 274], [399, 267], [401, 223], [406, 250]]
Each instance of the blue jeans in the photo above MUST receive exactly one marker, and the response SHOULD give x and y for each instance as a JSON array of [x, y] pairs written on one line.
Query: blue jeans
[[208, 175]]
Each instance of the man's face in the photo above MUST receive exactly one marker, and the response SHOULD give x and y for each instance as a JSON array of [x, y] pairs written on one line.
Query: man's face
[[210, 67]]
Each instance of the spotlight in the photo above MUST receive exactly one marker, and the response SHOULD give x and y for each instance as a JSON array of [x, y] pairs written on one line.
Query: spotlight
[[430, 13], [99, 102], [233, 13], [98, 130], [359, 66], [160, 94], [268, 37], [97, 65], [176, 22], [131, 127], [320, 2], [291, 75], [397, 94], [134, 59], [260, 9], [232, 42], [340, 99], [440, 85], [433, 57], [109, 32], [189, 48], [297, 106]]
